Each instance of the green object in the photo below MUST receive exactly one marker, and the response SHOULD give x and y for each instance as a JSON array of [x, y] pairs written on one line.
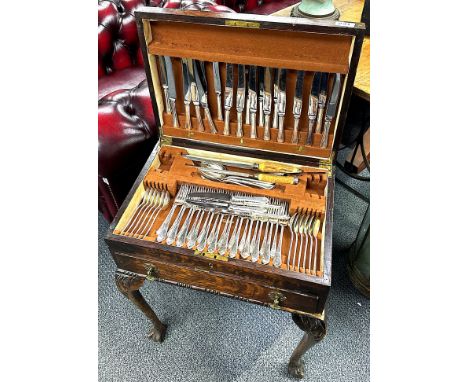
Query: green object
[[316, 9], [359, 258]]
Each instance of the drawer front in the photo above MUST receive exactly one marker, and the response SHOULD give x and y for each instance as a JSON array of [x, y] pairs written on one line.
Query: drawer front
[[210, 280]]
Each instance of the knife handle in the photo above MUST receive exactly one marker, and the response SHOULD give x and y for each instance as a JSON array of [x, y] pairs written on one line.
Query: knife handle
[[175, 119], [188, 120], [295, 134], [261, 116], [166, 99], [278, 179], [226, 130], [318, 126], [220, 110], [210, 121], [247, 112], [201, 127], [280, 129], [266, 133], [275, 167], [253, 127], [326, 129], [310, 131], [275, 116], [239, 132]]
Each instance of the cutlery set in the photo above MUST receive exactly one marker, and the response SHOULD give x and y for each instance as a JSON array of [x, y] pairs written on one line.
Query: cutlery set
[[260, 99], [230, 224]]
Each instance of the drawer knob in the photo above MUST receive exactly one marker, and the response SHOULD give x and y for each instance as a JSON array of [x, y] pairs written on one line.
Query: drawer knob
[[151, 272], [276, 298]]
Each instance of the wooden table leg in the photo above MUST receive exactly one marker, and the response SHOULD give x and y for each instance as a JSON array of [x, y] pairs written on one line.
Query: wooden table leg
[[129, 284], [315, 330]]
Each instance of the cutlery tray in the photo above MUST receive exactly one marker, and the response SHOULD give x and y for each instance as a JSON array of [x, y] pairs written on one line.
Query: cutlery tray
[[274, 42]]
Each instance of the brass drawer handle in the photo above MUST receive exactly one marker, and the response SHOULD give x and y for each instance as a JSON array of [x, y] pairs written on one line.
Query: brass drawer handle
[[276, 298], [152, 272]]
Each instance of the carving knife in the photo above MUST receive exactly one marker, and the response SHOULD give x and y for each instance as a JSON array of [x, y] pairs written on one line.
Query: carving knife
[[267, 81], [162, 68], [187, 93], [171, 90], [275, 98], [261, 93], [281, 103], [252, 101], [217, 86], [202, 85], [228, 96], [240, 99], [313, 105], [297, 105], [266, 166], [322, 101], [195, 95], [331, 110]]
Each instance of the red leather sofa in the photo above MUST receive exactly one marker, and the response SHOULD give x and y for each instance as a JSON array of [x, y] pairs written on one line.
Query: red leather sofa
[[127, 130]]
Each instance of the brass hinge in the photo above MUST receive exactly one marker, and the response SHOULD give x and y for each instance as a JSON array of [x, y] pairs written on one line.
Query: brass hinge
[[166, 140], [326, 164], [276, 298]]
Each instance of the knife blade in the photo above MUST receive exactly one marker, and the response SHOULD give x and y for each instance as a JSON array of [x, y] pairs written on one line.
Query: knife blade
[[202, 85], [281, 104], [171, 90], [252, 101], [331, 110], [162, 69], [322, 101], [187, 93], [240, 98], [228, 96], [217, 86], [267, 102], [275, 98], [261, 93], [297, 105], [313, 105], [195, 94]]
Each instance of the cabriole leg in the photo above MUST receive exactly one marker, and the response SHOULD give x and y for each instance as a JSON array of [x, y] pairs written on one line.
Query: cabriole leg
[[315, 330], [129, 284]]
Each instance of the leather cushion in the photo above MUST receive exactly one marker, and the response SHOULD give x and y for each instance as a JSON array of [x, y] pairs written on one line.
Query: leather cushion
[[120, 80]]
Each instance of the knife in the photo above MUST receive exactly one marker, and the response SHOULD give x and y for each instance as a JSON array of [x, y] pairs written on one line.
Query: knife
[[281, 104], [322, 101], [171, 90], [331, 110], [240, 99], [266, 105], [275, 98], [217, 86], [261, 93], [297, 105], [228, 95], [187, 93], [266, 166], [195, 95], [162, 67], [252, 101], [202, 85], [313, 105]]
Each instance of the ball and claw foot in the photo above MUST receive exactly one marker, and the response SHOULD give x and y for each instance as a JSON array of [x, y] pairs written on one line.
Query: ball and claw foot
[[296, 368], [157, 335]]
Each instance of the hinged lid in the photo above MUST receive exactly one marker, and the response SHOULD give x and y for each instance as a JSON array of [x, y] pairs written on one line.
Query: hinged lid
[[295, 44]]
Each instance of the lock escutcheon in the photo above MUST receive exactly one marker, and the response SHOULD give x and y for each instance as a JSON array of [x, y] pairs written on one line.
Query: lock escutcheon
[[277, 298], [152, 272]]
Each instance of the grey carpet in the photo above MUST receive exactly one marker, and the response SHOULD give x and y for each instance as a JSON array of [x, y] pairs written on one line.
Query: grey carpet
[[214, 338]]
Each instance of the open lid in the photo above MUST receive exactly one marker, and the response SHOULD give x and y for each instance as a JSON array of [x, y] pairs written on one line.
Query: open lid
[[296, 44]]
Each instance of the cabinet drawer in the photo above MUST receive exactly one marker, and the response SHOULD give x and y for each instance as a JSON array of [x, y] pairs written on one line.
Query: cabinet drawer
[[228, 284]]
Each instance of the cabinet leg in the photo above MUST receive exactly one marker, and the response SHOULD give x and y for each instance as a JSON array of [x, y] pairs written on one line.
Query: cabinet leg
[[315, 330], [129, 284]]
